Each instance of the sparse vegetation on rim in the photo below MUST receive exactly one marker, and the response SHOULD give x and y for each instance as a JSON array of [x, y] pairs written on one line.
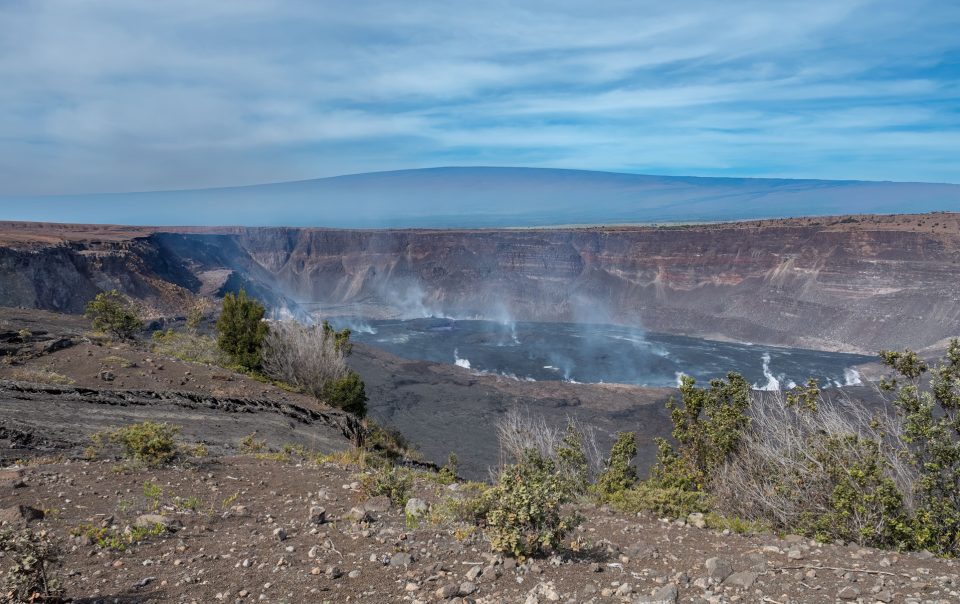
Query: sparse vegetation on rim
[[114, 314]]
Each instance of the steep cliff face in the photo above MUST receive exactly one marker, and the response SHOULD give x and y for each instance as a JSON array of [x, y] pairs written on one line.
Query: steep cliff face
[[854, 284], [795, 284]]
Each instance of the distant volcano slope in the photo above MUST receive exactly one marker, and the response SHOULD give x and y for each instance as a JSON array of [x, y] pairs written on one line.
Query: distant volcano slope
[[473, 197], [856, 283]]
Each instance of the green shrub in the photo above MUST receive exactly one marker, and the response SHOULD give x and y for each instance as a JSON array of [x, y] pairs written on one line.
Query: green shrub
[[826, 468], [347, 393], [341, 339], [241, 330], [708, 425], [251, 446], [572, 460], [664, 502], [390, 481], [526, 514], [29, 558], [112, 539], [112, 313], [448, 473], [618, 474], [148, 442], [931, 424], [864, 506]]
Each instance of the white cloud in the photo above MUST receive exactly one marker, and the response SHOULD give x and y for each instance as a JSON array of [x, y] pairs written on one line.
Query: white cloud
[[173, 94]]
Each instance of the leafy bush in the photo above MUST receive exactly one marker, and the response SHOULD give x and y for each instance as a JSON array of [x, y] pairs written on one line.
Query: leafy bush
[[931, 428], [251, 446], [241, 330], [618, 474], [708, 425], [572, 462], [526, 513], [113, 539], [665, 502], [341, 339], [148, 442], [448, 473], [347, 393], [309, 357], [821, 467], [30, 558], [112, 313], [390, 481]]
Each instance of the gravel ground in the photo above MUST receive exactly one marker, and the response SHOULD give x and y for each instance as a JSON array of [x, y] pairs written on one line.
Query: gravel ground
[[247, 531]]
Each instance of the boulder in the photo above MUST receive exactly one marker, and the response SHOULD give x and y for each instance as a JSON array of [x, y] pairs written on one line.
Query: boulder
[[377, 504], [147, 521], [20, 515], [317, 515], [718, 568], [743, 579], [667, 594], [416, 508]]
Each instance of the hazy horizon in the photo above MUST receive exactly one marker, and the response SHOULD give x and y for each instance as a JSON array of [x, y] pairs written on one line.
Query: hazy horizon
[[483, 197]]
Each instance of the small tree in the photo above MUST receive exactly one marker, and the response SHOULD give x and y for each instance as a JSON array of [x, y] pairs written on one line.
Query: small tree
[[341, 339], [618, 475], [197, 314], [112, 313], [931, 420], [347, 393], [708, 425], [572, 460], [241, 330]]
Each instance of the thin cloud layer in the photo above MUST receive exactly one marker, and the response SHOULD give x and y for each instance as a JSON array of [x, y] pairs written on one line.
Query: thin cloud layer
[[113, 95]]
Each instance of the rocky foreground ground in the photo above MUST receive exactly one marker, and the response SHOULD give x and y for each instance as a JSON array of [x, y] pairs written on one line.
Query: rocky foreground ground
[[291, 529]]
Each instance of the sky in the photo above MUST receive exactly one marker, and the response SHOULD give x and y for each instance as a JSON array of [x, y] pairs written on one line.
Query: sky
[[133, 95]]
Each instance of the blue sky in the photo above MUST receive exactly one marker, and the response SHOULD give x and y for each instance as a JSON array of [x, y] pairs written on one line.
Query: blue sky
[[121, 95]]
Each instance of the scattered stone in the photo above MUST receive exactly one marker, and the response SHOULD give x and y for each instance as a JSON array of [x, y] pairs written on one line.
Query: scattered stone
[[448, 591], [697, 519], [377, 504], [467, 588], [743, 579], [20, 515], [474, 573], [334, 572], [12, 479], [106, 375], [416, 508], [718, 568], [318, 515], [279, 534], [151, 520], [849, 593], [359, 515], [401, 559], [667, 594]]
